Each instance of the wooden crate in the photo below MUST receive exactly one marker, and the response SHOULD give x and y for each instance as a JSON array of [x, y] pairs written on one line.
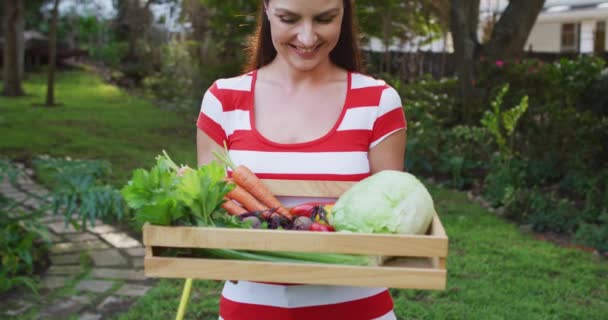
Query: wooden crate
[[417, 261]]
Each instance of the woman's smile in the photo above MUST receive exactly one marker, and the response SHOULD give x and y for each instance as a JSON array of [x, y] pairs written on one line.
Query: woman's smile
[[305, 52]]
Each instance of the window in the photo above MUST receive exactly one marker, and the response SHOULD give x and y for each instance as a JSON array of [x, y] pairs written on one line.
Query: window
[[599, 42], [570, 37]]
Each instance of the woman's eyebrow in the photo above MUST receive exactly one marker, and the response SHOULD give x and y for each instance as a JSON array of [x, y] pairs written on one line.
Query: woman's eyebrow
[[287, 11]]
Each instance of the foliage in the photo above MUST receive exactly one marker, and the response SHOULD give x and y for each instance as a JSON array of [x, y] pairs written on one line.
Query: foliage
[[501, 124], [542, 160], [80, 192], [595, 98], [177, 84], [23, 240], [413, 22]]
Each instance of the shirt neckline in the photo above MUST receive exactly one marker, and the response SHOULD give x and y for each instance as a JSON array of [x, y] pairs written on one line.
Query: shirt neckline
[[324, 137]]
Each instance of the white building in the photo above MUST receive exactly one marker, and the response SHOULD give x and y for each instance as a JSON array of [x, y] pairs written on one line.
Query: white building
[[563, 25]]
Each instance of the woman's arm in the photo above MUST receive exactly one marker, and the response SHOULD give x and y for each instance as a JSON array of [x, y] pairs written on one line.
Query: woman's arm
[[205, 147], [388, 154]]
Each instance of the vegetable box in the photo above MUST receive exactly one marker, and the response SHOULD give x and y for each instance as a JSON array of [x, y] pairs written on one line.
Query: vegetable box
[[409, 261]]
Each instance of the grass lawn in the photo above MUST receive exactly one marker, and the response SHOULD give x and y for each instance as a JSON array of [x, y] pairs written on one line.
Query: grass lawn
[[95, 121], [494, 270]]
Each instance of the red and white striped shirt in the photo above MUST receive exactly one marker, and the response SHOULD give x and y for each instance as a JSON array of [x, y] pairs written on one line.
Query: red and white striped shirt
[[372, 111]]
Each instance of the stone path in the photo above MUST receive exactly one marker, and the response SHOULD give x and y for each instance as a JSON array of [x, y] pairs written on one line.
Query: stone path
[[92, 273]]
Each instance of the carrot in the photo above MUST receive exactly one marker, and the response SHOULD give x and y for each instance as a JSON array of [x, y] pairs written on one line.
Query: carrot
[[233, 208], [247, 180], [246, 199]]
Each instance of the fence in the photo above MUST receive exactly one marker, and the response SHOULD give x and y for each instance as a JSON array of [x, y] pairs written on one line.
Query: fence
[[411, 66]]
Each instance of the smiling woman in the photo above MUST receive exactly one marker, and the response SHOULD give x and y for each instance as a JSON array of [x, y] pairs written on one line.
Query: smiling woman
[[304, 111]]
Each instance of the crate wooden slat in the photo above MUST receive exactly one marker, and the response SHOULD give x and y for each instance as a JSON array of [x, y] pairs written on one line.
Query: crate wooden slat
[[417, 261], [323, 274], [284, 240]]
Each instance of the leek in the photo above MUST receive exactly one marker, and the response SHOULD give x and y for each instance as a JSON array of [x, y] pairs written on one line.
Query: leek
[[294, 257]]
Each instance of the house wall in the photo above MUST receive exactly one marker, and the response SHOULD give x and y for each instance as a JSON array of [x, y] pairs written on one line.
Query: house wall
[[545, 37]]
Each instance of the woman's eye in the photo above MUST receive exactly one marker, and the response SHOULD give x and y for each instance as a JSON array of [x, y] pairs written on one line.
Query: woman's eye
[[325, 20], [288, 20]]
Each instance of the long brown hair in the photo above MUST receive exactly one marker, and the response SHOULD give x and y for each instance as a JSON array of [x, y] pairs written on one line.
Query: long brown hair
[[346, 54]]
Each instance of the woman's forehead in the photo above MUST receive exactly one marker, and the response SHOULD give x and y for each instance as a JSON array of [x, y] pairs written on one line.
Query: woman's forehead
[[304, 6]]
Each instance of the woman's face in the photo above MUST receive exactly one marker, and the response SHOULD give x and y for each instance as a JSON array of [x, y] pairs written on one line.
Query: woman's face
[[304, 32]]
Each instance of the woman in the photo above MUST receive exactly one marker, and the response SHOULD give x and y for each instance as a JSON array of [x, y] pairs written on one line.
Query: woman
[[303, 111]]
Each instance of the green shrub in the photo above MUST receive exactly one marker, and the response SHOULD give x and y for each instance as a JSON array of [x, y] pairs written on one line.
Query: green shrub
[[23, 241], [79, 190], [594, 98], [594, 234], [111, 53]]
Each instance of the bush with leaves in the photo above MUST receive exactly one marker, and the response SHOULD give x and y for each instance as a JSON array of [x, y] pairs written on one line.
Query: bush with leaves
[[80, 191], [24, 241]]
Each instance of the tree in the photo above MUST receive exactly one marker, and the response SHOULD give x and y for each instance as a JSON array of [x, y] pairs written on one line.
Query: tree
[[401, 21], [506, 42], [13, 31], [50, 88]]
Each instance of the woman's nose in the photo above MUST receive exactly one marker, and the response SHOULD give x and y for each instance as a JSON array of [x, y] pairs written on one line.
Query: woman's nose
[[307, 35]]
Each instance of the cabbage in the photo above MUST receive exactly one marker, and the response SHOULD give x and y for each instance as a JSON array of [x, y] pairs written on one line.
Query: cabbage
[[387, 202]]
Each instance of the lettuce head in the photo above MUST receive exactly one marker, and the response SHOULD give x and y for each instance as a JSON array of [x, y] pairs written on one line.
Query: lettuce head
[[389, 201]]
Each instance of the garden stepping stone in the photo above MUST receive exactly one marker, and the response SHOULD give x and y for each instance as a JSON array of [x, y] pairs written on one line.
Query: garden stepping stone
[[15, 307], [54, 282], [136, 252], [113, 302], [90, 316], [122, 274], [102, 228], [64, 307], [77, 237], [132, 290], [66, 247], [107, 258], [120, 240], [61, 228], [65, 270], [73, 258], [98, 286]]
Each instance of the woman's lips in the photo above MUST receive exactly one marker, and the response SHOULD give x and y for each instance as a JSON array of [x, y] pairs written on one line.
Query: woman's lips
[[305, 52]]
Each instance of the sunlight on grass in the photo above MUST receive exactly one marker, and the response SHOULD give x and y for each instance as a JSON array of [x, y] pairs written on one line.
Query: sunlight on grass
[[94, 120]]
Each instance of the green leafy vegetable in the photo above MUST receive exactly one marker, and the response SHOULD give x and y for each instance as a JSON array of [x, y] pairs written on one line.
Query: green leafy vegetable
[[168, 195], [387, 202]]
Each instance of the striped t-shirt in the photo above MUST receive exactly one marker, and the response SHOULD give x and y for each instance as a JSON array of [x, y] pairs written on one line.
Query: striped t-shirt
[[372, 111]]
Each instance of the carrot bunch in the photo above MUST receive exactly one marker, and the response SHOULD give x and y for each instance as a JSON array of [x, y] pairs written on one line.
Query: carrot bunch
[[250, 194]]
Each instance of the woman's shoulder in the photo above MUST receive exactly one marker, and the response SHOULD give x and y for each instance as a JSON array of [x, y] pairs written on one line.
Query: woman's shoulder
[[241, 82], [362, 80]]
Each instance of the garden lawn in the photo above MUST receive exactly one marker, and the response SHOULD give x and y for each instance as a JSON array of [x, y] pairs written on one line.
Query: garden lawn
[[494, 272], [94, 121]]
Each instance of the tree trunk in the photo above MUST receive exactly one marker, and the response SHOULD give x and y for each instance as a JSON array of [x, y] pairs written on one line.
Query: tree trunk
[[512, 30], [12, 79], [50, 88], [506, 42], [463, 24], [386, 40], [20, 27], [198, 15]]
